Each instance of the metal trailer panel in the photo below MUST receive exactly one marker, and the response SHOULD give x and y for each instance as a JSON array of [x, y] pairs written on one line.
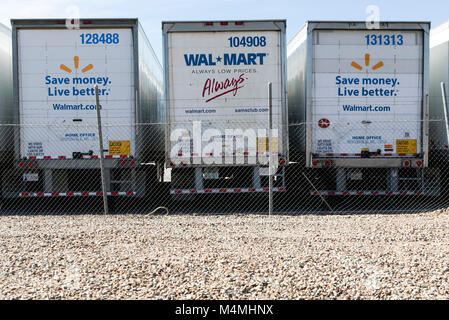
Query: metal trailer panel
[[338, 59], [185, 91], [6, 101], [117, 121], [439, 72]]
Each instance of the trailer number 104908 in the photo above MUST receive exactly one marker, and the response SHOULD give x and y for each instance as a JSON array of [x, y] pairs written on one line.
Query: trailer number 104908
[[256, 41]]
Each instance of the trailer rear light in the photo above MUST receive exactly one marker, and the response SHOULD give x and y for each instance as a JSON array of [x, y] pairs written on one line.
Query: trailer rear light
[[209, 23], [239, 23], [327, 163], [123, 163], [418, 163], [184, 164], [22, 165], [281, 161], [314, 163], [224, 23], [406, 163], [87, 22], [30, 165], [132, 163]]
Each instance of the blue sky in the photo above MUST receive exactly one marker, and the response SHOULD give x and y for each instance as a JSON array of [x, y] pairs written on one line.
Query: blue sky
[[152, 12]]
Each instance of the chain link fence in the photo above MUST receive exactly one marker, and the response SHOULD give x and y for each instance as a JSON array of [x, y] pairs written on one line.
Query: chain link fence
[[222, 168]]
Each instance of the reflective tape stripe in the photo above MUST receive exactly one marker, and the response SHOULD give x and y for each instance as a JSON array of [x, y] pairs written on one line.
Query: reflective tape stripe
[[365, 193], [67, 194], [83, 157], [227, 190], [333, 155]]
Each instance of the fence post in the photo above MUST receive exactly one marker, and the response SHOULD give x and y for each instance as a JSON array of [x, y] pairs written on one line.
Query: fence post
[[270, 149], [100, 142]]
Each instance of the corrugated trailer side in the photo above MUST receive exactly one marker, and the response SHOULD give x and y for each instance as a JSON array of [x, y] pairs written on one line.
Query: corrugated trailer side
[[6, 101], [439, 72], [6, 105], [57, 146]]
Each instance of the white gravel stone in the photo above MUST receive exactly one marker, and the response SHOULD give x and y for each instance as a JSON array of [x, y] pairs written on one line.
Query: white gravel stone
[[222, 257]]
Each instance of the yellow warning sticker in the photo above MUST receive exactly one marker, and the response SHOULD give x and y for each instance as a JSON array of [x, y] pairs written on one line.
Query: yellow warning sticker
[[406, 146], [119, 148], [264, 146], [364, 149]]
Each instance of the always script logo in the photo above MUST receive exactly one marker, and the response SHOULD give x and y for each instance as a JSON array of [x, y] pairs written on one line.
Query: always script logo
[[213, 88]]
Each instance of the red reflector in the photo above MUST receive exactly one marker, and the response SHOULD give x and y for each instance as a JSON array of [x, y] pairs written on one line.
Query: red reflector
[[61, 157], [32, 158], [61, 22], [251, 190], [329, 154], [129, 193], [222, 190], [406, 163], [115, 193], [360, 193], [208, 191], [87, 22], [192, 191], [178, 191], [209, 23], [84, 193], [179, 154], [47, 157], [344, 154], [99, 193], [239, 23], [39, 194], [184, 163], [389, 192], [25, 194], [224, 23], [55, 194], [315, 154], [266, 189], [237, 190], [281, 189], [69, 193], [172, 164], [419, 163], [345, 193]]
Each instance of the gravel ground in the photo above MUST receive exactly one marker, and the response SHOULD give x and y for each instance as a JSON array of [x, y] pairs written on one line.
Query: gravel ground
[[228, 257]]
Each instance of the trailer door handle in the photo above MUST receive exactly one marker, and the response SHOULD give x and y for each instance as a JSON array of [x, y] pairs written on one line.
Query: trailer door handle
[[366, 122], [77, 120]]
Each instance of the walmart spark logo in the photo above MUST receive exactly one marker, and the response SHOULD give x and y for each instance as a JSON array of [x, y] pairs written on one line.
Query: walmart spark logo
[[367, 63], [76, 61]]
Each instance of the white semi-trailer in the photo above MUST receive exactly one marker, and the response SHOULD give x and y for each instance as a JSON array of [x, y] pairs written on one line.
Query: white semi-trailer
[[216, 80], [56, 68], [439, 73], [359, 107], [6, 104]]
